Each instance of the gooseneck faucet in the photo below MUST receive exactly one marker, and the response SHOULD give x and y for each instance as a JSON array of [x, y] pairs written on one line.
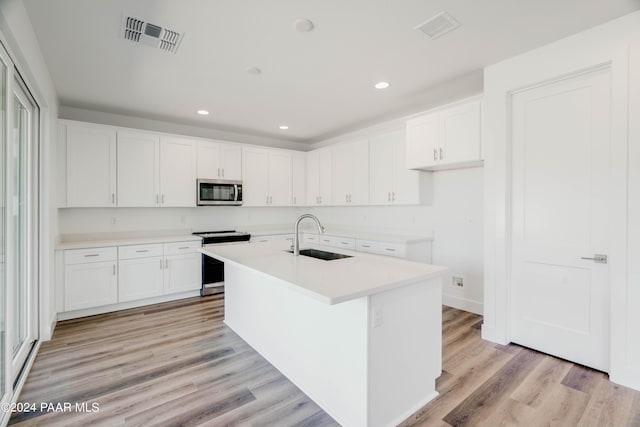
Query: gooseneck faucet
[[296, 241]]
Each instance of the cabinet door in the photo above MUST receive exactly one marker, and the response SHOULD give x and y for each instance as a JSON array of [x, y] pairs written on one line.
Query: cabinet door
[[381, 154], [138, 169], [231, 165], [140, 278], [342, 173], [405, 181], [91, 166], [90, 285], [255, 176], [280, 178], [359, 194], [177, 172], [182, 273], [299, 178], [325, 183], [461, 133], [208, 165], [313, 177], [423, 141]]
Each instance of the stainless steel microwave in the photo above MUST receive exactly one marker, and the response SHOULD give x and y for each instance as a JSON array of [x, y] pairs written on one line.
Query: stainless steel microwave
[[219, 192]]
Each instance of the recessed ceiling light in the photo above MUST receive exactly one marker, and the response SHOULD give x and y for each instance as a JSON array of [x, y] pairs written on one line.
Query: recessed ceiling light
[[253, 71], [303, 25], [382, 85], [284, 127], [203, 112]]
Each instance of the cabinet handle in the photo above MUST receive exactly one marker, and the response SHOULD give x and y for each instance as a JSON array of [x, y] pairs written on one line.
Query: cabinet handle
[[218, 172], [160, 264], [267, 201], [157, 199], [320, 199], [346, 198], [294, 200], [388, 196], [113, 198], [184, 247], [90, 255], [223, 172], [389, 249], [163, 199], [270, 200], [166, 264], [366, 246], [393, 196], [114, 269], [143, 250], [441, 156], [435, 154]]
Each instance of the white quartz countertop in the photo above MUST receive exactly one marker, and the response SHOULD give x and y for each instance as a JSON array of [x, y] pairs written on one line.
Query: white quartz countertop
[[331, 282], [380, 236], [123, 241]]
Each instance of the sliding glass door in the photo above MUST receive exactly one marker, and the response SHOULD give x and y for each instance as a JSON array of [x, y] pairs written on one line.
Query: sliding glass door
[[19, 197], [20, 245]]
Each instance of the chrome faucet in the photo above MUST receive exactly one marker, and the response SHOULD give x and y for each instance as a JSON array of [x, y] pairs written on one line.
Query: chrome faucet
[[296, 240]]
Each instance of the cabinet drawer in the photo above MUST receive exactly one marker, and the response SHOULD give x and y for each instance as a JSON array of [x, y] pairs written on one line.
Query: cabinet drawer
[[181, 247], [311, 238], [367, 246], [393, 249], [345, 243], [327, 240], [139, 251], [82, 256]]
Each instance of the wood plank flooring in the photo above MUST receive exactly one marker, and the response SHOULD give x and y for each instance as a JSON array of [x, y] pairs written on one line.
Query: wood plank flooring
[[177, 364]]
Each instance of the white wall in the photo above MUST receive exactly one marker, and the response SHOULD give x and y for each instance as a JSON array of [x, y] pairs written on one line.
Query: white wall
[[604, 44], [117, 220], [18, 37]]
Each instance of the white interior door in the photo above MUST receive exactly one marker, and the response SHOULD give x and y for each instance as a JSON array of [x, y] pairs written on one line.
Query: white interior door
[[561, 177]]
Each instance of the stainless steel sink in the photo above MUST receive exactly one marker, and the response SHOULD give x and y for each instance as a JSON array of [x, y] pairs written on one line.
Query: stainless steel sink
[[324, 255]]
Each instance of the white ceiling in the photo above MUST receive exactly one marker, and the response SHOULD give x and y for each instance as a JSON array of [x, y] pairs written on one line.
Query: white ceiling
[[319, 83]]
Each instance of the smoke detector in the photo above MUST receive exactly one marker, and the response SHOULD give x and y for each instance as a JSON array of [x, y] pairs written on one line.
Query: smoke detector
[[438, 25], [139, 31]]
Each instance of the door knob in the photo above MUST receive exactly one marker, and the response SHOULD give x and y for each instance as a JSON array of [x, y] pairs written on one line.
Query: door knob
[[597, 258]]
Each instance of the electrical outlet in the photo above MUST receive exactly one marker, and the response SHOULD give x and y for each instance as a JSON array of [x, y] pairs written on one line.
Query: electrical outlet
[[457, 281]]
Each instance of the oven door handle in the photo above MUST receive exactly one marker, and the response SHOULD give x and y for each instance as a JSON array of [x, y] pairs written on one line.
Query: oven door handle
[[235, 192]]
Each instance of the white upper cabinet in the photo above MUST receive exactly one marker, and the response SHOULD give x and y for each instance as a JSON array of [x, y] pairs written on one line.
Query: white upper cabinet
[[91, 166], [177, 172], [266, 179], [445, 139], [218, 160], [320, 177], [351, 173], [391, 183], [299, 178], [138, 169]]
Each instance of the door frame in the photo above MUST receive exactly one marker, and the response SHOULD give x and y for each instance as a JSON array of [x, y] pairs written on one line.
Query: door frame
[[558, 60]]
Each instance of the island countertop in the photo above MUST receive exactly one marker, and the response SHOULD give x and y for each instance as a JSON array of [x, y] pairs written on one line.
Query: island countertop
[[331, 282]]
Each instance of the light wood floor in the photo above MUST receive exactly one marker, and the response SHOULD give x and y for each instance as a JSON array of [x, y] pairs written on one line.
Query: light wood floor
[[178, 364]]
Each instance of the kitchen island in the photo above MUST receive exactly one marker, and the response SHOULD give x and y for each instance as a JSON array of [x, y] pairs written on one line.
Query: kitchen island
[[361, 336]]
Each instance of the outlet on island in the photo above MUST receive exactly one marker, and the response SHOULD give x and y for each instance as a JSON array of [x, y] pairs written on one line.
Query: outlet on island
[[457, 281]]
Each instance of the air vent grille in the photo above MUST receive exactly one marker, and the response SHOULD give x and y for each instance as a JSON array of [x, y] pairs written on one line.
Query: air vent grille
[[438, 25], [139, 31]]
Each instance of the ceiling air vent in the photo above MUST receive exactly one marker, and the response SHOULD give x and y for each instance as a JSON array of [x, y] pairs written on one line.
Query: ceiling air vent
[[139, 31], [438, 25]]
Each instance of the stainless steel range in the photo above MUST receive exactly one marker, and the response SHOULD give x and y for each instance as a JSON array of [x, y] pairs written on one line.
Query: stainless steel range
[[213, 269]]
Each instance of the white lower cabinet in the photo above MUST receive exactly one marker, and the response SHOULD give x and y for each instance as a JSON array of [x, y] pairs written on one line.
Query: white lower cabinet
[[182, 267], [91, 278], [96, 277], [140, 272]]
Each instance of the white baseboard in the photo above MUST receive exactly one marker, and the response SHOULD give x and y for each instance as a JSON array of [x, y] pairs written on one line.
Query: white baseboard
[[626, 377], [462, 304], [491, 334], [125, 305], [46, 333]]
